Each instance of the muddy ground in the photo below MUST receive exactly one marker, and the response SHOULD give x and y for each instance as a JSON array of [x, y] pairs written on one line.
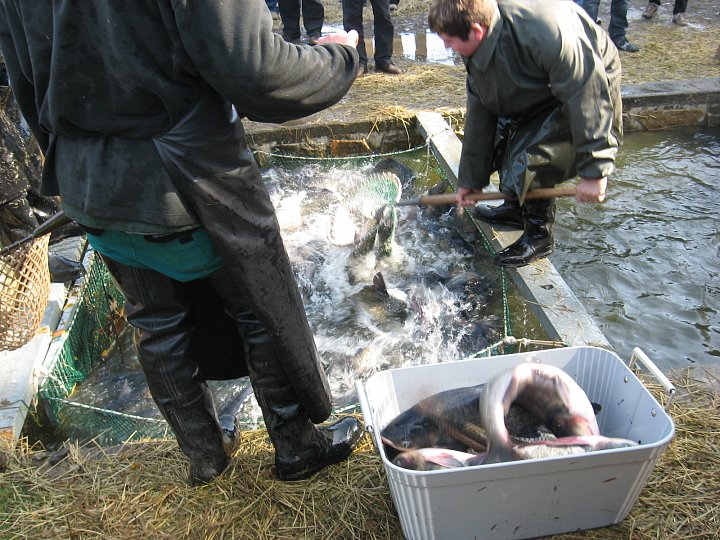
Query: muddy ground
[[668, 52]]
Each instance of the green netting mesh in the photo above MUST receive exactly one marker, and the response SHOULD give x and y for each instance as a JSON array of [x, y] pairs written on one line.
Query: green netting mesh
[[93, 330]]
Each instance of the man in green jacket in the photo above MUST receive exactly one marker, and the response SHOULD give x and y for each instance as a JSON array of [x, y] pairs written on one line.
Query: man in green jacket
[[136, 106], [543, 105]]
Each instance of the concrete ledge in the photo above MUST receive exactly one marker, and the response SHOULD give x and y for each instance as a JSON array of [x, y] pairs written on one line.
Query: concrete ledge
[[338, 139], [669, 104], [21, 368]]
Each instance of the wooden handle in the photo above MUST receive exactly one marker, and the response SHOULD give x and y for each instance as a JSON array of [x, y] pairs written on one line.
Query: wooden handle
[[449, 198]]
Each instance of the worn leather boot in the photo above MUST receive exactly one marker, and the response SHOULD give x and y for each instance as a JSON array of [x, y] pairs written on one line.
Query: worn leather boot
[[536, 240], [302, 449], [199, 436], [508, 213], [387, 66], [650, 11]]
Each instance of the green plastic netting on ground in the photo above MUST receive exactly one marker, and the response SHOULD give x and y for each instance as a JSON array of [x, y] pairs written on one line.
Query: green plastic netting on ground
[[95, 326]]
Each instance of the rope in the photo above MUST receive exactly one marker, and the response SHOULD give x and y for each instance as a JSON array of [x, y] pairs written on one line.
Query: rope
[[520, 343], [342, 158]]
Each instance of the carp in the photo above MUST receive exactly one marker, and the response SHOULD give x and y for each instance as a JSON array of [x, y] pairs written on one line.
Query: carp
[[382, 303], [548, 393], [451, 420]]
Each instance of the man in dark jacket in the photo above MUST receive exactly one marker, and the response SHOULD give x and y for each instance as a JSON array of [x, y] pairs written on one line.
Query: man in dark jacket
[[543, 90], [131, 105]]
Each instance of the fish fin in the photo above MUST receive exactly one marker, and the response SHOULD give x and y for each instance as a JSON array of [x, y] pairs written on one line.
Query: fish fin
[[379, 284], [444, 459], [477, 459]]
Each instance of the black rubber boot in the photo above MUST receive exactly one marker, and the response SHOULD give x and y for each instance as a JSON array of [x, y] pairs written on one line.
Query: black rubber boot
[[197, 431], [536, 240], [160, 310], [508, 213], [301, 447]]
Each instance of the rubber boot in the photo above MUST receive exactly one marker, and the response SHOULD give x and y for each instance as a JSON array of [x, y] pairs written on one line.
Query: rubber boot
[[301, 447], [536, 240], [508, 213], [196, 428], [160, 310]]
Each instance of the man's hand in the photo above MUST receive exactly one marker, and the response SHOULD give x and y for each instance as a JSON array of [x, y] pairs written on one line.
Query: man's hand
[[342, 37], [591, 190], [460, 195]]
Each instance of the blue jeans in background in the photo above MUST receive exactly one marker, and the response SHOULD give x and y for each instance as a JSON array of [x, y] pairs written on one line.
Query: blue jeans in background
[[618, 18]]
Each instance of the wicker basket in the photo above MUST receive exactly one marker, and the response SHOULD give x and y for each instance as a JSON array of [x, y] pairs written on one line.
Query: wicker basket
[[24, 288]]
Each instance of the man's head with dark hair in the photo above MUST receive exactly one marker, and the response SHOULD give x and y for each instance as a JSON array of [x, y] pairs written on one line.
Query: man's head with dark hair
[[455, 17]]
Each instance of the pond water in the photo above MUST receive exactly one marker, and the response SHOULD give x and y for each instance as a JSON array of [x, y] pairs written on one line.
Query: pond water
[[646, 263]]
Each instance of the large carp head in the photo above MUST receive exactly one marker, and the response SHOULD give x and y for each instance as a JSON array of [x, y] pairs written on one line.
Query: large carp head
[[548, 393], [410, 430]]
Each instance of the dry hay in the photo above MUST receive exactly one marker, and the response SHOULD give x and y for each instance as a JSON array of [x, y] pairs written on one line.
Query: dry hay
[[669, 52], [680, 498], [138, 491], [420, 87]]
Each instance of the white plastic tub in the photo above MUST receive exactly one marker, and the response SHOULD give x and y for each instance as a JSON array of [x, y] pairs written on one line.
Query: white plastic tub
[[523, 499]]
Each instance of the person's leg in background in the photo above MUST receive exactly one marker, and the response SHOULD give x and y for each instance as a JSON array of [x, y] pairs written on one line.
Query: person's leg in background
[[679, 12], [313, 14], [617, 29], [651, 9], [384, 31], [353, 20], [290, 16]]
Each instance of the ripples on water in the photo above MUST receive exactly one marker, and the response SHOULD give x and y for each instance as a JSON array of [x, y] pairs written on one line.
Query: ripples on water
[[646, 262]]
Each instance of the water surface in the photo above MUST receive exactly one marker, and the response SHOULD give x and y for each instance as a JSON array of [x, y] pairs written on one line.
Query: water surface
[[646, 263]]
